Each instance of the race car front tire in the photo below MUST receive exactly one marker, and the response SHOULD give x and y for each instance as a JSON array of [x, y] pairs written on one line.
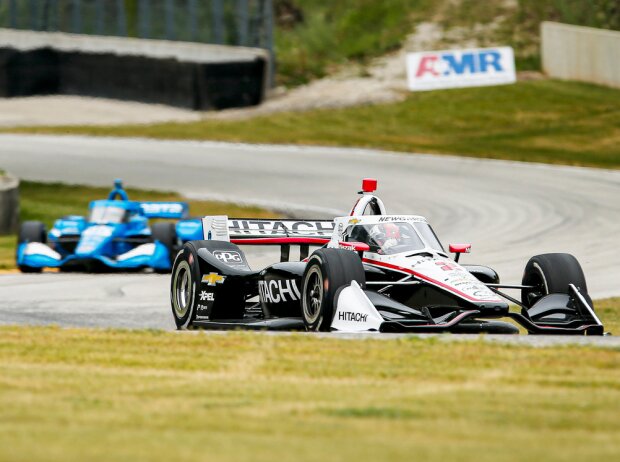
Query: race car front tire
[[185, 285], [327, 271], [552, 273], [31, 231]]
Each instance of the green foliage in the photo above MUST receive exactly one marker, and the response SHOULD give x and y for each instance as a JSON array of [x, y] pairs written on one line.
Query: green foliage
[[519, 26], [336, 32], [333, 33], [593, 13], [131, 14], [7, 252]]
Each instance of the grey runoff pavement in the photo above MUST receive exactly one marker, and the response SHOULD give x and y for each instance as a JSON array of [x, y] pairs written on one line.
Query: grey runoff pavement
[[509, 211]]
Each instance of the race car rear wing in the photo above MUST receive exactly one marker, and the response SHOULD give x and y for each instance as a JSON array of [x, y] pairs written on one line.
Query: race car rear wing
[[285, 233], [172, 210]]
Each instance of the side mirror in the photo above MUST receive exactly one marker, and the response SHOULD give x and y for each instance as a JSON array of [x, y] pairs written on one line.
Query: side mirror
[[458, 249], [354, 246]]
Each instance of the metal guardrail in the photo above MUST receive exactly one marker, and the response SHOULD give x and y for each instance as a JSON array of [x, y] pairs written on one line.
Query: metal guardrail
[[9, 203]]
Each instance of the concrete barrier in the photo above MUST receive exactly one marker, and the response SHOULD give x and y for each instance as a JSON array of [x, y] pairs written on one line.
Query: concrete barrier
[[9, 204], [190, 75], [581, 53]]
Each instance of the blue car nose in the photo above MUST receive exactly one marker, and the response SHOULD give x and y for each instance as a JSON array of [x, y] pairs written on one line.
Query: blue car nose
[[93, 239]]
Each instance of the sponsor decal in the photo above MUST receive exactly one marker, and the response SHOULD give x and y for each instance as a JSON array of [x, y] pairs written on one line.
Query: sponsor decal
[[93, 237], [460, 68], [466, 286], [281, 227], [351, 316], [202, 309], [353, 246], [448, 266], [459, 278], [403, 218], [482, 293], [161, 208], [228, 256], [213, 279], [354, 221], [278, 291], [207, 296], [215, 228]]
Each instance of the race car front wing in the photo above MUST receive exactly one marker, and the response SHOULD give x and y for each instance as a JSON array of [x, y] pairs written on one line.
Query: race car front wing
[[360, 310], [38, 255]]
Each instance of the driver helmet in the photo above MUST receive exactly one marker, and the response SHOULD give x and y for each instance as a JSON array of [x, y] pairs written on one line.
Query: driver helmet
[[384, 232]]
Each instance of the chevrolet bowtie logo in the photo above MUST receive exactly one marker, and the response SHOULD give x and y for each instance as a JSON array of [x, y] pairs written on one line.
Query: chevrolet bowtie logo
[[213, 278]]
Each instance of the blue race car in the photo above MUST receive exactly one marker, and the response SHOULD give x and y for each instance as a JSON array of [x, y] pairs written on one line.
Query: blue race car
[[116, 235]]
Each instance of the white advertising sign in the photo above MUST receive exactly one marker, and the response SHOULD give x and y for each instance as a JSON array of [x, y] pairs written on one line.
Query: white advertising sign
[[433, 70]]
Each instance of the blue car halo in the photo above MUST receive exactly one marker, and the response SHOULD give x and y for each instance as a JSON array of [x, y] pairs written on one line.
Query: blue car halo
[[115, 235]]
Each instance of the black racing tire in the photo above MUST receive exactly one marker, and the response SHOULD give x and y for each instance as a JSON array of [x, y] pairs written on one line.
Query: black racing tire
[[31, 231], [551, 273], [327, 271], [166, 233], [184, 286]]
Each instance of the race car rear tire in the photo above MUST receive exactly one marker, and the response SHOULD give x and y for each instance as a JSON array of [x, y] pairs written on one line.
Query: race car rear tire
[[184, 286], [327, 271], [31, 231], [551, 273], [166, 233]]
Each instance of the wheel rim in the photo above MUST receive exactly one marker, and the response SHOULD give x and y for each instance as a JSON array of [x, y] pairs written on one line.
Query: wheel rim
[[182, 289], [313, 295], [537, 280]]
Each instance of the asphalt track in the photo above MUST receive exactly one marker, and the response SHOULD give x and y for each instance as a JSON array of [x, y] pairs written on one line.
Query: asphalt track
[[509, 211]]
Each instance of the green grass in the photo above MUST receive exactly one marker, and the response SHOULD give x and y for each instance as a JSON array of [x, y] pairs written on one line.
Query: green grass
[[7, 252], [47, 202], [608, 310], [336, 33], [77, 394], [537, 121]]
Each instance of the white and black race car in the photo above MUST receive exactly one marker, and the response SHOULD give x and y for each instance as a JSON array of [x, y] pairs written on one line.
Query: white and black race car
[[372, 272]]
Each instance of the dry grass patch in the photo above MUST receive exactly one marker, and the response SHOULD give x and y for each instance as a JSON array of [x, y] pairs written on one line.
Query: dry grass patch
[[76, 394]]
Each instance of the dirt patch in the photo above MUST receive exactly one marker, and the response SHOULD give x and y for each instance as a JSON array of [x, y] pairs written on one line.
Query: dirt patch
[[77, 110]]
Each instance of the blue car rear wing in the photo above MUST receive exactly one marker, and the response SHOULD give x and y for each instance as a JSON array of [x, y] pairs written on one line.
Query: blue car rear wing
[[174, 210]]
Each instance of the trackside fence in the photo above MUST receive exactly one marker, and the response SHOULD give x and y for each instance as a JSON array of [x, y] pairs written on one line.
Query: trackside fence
[[222, 22], [581, 53]]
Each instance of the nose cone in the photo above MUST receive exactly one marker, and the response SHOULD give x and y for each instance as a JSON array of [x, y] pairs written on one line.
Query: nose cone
[[93, 239], [454, 279]]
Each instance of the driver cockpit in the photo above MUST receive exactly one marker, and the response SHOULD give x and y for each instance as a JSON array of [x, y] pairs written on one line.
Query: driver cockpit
[[394, 237]]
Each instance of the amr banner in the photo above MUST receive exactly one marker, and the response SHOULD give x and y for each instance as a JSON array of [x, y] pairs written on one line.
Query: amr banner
[[433, 70]]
